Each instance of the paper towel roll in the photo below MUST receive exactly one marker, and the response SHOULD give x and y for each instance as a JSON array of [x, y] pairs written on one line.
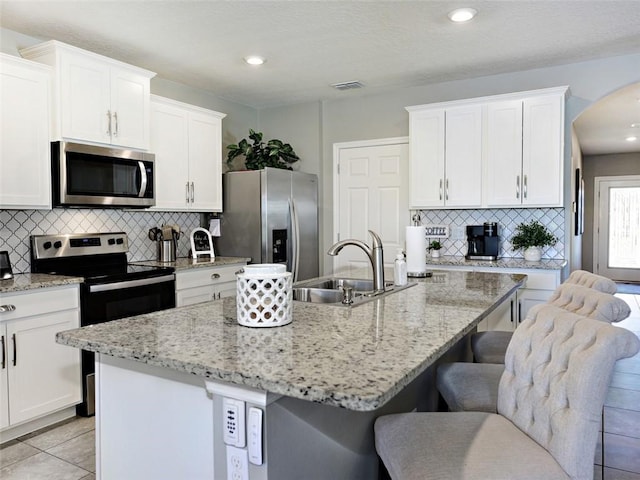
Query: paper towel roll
[[416, 241]]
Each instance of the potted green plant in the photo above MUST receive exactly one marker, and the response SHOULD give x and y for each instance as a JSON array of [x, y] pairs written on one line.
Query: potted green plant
[[532, 237], [434, 248], [259, 154]]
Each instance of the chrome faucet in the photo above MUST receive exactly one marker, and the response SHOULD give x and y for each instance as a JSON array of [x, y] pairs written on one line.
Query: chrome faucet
[[375, 257]]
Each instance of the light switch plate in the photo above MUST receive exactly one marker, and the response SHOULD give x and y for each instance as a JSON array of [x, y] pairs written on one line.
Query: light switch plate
[[254, 432], [233, 422]]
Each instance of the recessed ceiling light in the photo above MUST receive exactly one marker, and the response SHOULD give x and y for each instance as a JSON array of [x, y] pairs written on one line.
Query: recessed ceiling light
[[254, 60], [460, 15], [635, 125], [631, 139]]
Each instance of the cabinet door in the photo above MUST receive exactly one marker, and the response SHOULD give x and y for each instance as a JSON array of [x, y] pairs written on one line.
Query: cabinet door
[[85, 99], [205, 162], [542, 151], [46, 375], [426, 158], [463, 157], [191, 296], [170, 144], [25, 168], [503, 157], [502, 318], [129, 109], [529, 298]]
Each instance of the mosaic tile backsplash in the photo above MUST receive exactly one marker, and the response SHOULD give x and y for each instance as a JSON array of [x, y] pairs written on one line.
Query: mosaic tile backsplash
[[17, 225], [508, 219]]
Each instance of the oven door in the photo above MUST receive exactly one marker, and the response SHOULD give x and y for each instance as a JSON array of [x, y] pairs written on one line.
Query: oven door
[[111, 301]]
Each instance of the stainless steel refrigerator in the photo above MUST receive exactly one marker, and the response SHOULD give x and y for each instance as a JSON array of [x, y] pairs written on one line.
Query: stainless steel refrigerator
[[271, 215]]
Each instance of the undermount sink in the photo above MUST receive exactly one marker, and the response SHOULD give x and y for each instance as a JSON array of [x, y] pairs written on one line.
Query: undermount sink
[[330, 290]]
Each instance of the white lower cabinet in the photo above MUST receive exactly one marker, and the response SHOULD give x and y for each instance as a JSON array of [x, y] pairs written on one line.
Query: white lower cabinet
[[38, 375], [203, 284]]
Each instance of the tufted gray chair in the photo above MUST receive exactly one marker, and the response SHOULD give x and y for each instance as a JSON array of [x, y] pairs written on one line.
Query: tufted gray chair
[[490, 347], [474, 386], [557, 371]]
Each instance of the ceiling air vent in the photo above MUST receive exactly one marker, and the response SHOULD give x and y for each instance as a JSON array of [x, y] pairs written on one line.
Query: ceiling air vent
[[347, 85]]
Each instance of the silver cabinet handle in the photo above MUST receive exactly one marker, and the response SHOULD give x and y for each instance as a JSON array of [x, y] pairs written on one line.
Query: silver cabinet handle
[[215, 276], [115, 117], [446, 190], [7, 308], [518, 186], [193, 188], [524, 190], [4, 354], [109, 122], [187, 192], [440, 189]]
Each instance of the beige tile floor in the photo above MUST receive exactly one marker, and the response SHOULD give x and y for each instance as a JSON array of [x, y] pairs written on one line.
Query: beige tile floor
[[66, 451]]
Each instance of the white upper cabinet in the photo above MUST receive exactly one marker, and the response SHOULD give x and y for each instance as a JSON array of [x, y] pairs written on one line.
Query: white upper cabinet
[[446, 157], [97, 99], [499, 151], [187, 143], [25, 166], [525, 151]]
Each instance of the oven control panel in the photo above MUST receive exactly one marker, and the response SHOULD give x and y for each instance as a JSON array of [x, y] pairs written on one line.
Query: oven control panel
[[75, 244]]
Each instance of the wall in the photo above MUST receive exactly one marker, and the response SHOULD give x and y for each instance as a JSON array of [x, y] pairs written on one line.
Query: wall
[[601, 166], [382, 116]]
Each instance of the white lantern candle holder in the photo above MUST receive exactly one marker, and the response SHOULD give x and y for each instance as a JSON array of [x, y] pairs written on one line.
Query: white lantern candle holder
[[264, 296]]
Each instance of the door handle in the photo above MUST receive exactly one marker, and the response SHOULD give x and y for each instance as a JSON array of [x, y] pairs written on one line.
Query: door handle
[[7, 308], [511, 311], [143, 180], [215, 276], [187, 192], [440, 189], [15, 350], [109, 122], [193, 196], [524, 190], [4, 354], [446, 190], [115, 117], [518, 187]]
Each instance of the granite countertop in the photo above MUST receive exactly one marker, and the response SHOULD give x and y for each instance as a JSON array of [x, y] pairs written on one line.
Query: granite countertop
[[31, 281], [188, 262], [460, 261], [357, 358]]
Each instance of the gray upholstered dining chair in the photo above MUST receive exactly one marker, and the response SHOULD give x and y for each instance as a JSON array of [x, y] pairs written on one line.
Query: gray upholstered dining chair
[[557, 371], [489, 347], [474, 386]]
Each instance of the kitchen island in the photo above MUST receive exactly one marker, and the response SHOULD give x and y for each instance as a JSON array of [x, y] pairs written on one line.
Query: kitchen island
[[319, 382]]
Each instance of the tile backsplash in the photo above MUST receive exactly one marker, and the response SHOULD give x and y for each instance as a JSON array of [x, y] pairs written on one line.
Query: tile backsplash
[[507, 218], [17, 225]]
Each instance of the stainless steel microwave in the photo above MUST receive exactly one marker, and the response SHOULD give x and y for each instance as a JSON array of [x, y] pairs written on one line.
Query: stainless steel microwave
[[89, 175]]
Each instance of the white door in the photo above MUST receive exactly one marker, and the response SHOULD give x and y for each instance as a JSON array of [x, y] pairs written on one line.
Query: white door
[[617, 228], [129, 109], [371, 194], [205, 162]]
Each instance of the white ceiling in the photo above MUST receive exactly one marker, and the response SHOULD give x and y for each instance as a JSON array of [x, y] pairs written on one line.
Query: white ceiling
[[310, 45]]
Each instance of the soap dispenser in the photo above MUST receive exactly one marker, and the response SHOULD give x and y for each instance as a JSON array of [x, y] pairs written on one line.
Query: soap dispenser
[[400, 269]]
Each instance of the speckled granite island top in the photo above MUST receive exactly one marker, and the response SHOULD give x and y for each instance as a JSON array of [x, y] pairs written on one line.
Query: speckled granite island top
[[511, 263], [31, 281], [189, 263], [357, 358]]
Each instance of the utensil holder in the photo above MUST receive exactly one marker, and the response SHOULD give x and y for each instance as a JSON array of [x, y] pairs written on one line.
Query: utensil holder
[[264, 299], [166, 251]]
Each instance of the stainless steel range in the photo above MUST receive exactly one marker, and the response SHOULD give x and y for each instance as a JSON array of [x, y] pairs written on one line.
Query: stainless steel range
[[112, 288]]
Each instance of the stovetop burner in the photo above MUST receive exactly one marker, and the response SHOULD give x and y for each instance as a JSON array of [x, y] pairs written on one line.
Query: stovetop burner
[[98, 257]]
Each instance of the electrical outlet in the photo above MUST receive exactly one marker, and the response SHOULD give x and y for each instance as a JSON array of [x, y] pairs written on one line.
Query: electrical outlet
[[237, 464], [233, 422]]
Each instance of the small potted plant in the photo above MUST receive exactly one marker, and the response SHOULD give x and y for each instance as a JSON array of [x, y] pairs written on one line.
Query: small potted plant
[[532, 237], [258, 154], [434, 248]]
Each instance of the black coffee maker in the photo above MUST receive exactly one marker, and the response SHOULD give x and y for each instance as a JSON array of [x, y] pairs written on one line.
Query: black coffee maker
[[483, 242]]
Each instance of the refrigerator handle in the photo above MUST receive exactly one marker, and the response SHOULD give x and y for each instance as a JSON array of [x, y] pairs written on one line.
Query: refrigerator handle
[[295, 233]]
